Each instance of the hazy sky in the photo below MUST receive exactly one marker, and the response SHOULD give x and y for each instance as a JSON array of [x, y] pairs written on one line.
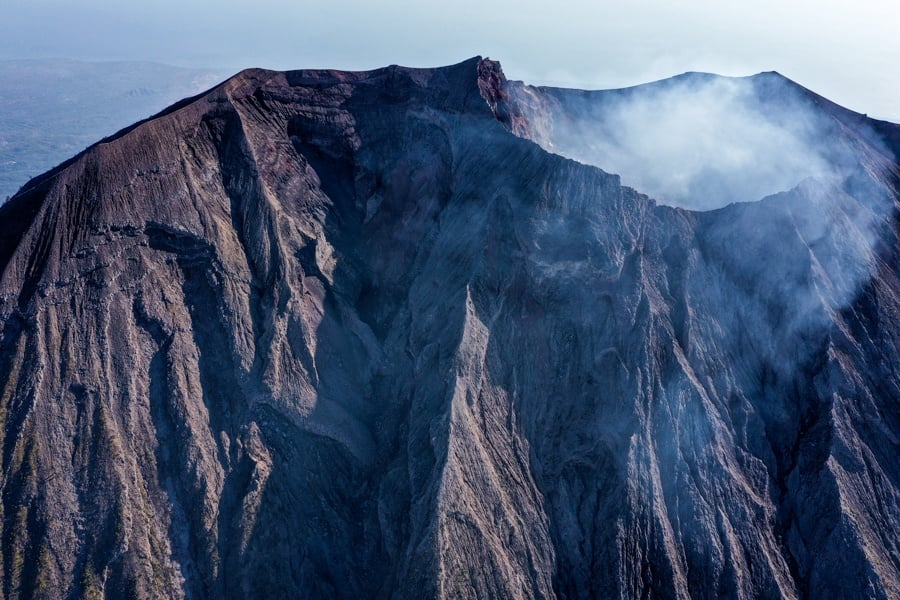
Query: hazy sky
[[847, 50]]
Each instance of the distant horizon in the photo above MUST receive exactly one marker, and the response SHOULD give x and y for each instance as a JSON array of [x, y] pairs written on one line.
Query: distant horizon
[[228, 71], [847, 53]]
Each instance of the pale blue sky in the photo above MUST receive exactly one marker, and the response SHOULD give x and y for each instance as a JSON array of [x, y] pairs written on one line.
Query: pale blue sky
[[847, 51]]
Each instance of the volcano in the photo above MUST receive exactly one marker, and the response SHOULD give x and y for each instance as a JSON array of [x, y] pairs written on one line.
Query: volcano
[[404, 333]]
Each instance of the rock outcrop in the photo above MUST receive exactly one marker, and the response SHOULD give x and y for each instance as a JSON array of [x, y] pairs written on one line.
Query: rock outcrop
[[349, 335]]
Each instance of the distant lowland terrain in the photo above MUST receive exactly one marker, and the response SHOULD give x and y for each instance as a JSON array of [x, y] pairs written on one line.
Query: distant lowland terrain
[[51, 109]]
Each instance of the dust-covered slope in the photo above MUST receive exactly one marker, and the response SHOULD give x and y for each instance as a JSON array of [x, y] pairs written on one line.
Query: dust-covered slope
[[325, 334], [53, 108]]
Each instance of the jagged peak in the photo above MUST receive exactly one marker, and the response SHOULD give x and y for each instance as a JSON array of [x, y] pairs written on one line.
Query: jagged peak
[[473, 350], [320, 76], [247, 81]]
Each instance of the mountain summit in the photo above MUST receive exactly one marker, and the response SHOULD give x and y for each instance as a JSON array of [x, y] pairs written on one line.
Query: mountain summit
[[373, 335]]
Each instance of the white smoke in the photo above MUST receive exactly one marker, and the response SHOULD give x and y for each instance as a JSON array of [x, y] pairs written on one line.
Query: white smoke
[[808, 184], [695, 142]]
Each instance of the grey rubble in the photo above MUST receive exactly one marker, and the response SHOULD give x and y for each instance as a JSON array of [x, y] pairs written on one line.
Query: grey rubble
[[347, 335]]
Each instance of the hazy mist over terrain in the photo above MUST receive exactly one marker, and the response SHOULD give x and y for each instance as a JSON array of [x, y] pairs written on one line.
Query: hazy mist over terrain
[[52, 109], [321, 334], [697, 141], [846, 51], [711, 144]]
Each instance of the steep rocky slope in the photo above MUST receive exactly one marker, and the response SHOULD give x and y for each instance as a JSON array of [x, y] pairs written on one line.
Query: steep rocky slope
[[325, 334], [53, 108]]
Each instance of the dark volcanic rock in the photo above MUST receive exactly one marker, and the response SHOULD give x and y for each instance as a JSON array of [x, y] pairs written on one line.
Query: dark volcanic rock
[[324, 334]]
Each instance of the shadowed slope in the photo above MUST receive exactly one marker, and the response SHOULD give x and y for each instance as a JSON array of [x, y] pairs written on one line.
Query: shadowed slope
[[324, 334]]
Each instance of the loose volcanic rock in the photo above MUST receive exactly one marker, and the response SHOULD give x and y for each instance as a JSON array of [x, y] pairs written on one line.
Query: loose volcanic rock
[[354, 335]]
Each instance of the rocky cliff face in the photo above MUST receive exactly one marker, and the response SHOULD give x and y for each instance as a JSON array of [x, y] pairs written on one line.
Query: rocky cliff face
[[324, 334]]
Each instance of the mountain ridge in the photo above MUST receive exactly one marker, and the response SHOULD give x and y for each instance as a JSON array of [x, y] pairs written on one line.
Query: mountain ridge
[[359, 340], [55, 108]]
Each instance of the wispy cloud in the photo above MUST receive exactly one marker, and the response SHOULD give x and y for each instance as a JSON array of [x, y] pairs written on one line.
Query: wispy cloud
[[697, 142]]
